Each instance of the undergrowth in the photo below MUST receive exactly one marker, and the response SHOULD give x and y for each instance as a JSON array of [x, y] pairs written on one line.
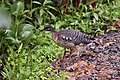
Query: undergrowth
[[26, 53]]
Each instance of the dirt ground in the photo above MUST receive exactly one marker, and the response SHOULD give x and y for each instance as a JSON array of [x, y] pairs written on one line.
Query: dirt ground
[[99, 60]]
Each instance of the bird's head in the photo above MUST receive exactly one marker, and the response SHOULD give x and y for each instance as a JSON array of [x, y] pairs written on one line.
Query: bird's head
[[48, 28]]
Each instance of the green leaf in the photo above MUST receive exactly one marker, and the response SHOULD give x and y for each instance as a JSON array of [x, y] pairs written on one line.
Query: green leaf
[[12, 39], [27, 27], [52, 8], [20, 48], [40, 20], [33, 10], [46, 2], [53, 17], [24, 12], [96, 16], [90, 2], [20, 8], [36, 2], [26, 34], [113, 28], [5, 18], [41, 12]]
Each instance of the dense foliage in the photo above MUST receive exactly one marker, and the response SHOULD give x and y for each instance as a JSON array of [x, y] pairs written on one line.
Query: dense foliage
[[26, 53]]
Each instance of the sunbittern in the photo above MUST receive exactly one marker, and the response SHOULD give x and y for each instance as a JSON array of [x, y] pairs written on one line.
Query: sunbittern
[[68, 38]]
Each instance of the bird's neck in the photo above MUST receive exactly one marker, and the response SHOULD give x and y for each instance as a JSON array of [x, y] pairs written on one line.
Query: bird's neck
[[53, 31], [54, 36]]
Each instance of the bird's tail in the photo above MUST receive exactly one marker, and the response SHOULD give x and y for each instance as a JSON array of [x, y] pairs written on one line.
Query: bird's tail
[[88, 39]]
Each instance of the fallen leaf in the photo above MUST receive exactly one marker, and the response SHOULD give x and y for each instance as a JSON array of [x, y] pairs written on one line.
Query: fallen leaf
[[72, 78], [76, 65], [116, 24], [107, 44], [103, 75], [91, 66]]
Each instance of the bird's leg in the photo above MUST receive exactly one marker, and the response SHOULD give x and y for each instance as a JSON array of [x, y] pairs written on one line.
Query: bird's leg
[[64, 54], [71, 52]]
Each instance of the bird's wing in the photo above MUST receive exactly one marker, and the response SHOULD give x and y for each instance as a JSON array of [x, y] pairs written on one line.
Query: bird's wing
[[65, 38], [75, 37]]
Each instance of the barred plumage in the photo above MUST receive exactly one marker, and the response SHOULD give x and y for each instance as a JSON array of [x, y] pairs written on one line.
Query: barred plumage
[[68, 38]]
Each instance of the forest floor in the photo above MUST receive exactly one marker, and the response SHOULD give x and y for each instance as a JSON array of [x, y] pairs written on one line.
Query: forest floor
[[100, 60]]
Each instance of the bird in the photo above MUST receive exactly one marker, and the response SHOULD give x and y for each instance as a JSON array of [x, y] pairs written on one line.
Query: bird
[[68, 39]]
